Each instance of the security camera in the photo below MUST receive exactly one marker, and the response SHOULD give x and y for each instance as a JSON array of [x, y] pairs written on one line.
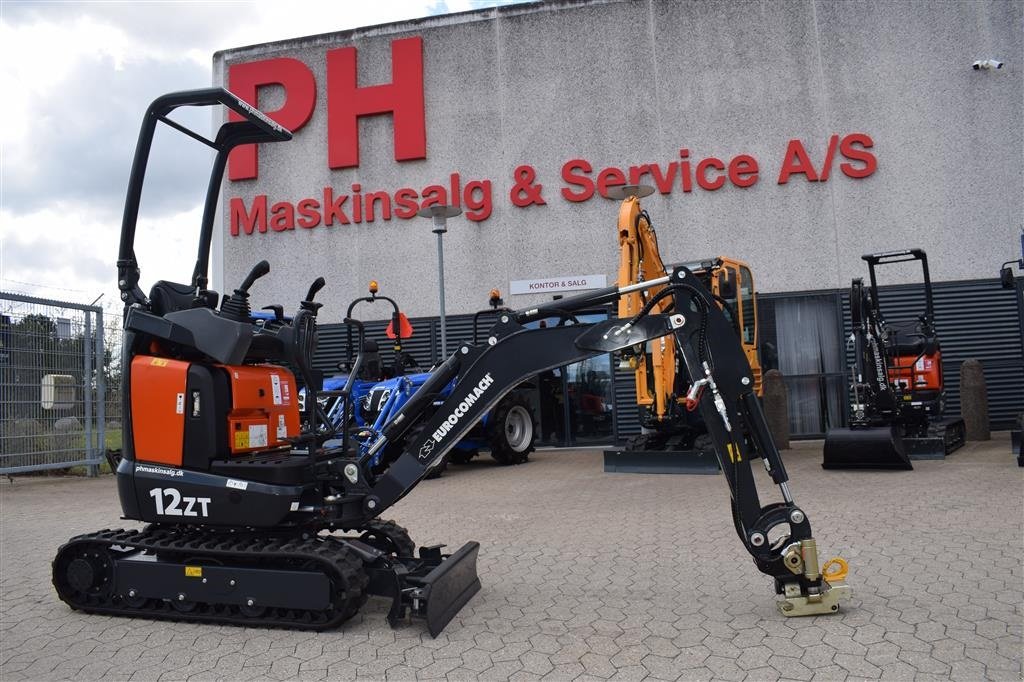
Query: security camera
[[987, 64]]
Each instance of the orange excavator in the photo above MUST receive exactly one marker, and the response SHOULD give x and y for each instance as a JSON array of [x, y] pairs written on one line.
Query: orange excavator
[[674, 438], [898, 396]]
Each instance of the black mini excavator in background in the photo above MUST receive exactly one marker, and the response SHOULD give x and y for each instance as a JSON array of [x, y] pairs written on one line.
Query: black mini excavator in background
[[255, 517], [897, 391]]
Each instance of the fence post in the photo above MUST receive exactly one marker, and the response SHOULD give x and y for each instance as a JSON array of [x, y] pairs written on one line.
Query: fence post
[[776, 407], [101, 388], [974, 400], [87, 391]]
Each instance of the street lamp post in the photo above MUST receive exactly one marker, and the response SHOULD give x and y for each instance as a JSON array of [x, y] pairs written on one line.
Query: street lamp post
[[440, 213]]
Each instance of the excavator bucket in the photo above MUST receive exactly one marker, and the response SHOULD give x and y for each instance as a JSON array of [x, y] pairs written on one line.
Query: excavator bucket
[[876, 447]]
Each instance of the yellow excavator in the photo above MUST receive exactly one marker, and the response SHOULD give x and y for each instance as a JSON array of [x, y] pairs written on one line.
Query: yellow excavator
[[674, 438]]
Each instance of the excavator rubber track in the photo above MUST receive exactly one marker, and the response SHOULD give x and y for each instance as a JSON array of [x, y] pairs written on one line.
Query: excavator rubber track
[[229, 578], [944, 437]]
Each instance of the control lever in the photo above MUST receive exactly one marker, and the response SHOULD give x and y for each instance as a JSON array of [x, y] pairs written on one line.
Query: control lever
[[278, 311], [308, 303], [236, 306], [258, 270]]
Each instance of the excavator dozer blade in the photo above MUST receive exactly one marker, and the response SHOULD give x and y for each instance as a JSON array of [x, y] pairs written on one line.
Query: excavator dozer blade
[[943, 437], [865, 448], [449, 586]]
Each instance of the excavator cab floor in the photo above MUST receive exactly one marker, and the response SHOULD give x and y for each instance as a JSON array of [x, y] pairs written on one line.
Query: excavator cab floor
[[865, 448]]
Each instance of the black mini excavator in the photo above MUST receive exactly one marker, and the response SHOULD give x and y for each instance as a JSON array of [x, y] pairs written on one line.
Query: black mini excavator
[[897, 392], [257, 517]]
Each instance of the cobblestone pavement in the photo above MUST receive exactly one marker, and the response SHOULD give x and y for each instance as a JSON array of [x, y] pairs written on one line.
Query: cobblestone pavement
[[588, 575]]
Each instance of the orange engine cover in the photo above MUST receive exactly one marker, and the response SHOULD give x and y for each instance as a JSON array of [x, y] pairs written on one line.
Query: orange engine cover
[[911, 372], [158, 408], [186, 414], [264, 407]]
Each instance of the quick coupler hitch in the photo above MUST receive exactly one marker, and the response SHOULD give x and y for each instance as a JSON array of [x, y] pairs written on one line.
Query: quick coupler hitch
[[811, 591]]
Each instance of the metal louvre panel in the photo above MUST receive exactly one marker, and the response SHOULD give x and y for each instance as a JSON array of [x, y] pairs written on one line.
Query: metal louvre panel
[[975, 319], [627, 412], [424, 345]]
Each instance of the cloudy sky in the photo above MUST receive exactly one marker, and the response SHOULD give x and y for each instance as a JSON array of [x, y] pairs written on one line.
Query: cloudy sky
[[77, 77]]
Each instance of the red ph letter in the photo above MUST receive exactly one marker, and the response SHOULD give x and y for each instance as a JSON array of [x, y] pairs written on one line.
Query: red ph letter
[[246, 79], [402, 97]]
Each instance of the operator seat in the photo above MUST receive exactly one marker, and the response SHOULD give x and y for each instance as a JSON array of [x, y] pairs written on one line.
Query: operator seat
[[170, 297], [408, 363], [372, 369], [908, 337]]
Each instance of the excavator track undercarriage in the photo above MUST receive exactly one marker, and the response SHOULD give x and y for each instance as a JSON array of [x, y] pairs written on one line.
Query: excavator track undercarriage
[[257, 579]]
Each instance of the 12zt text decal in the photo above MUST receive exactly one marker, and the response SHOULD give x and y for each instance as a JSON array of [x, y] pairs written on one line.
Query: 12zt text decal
[[174, 501]]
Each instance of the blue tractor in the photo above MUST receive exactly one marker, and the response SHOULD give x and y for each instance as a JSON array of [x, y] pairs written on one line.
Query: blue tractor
[[379, 391]]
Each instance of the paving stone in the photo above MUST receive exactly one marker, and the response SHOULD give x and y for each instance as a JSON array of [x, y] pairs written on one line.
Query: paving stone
[[597, 665], [829, 673], [765, 674], [790, 668], [724, 668], [629, 673], [584, 583], [754, 657], [924, 663]]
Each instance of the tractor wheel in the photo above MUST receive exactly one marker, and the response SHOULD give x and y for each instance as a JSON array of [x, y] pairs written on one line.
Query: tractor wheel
[[461, 456], [438, 470], [513, 431]]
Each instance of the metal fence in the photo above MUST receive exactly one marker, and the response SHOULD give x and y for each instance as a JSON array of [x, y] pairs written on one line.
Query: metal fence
[[55, 409]]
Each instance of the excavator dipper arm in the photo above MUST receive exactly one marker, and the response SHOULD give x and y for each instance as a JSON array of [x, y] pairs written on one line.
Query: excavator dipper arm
[[777, 535]]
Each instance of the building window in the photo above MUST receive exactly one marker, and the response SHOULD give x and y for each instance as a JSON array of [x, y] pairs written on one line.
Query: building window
[[747, 303], [803, 339]]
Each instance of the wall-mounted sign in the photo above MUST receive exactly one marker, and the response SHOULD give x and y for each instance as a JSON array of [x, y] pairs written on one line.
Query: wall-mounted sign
[[556, 284], [677, 170]]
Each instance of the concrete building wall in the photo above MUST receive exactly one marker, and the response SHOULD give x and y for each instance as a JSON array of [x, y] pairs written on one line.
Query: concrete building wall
[[627, 83]]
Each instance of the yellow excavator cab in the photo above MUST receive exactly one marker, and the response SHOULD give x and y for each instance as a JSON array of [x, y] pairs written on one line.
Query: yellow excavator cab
[[730, 281]]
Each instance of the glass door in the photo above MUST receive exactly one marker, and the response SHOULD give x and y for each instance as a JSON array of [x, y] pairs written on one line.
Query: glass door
[[577, 401], [809, 352], [591, 398]]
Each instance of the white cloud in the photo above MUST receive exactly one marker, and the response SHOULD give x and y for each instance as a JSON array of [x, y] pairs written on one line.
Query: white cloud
[[53, 253], [78, 76]]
